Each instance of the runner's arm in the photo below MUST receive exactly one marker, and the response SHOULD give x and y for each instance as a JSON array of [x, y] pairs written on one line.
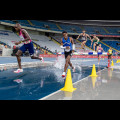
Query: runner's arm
[[89, 37], [62, 45], [73, 45], [98, 39], [78, 37], [26, 35], [103, 50]]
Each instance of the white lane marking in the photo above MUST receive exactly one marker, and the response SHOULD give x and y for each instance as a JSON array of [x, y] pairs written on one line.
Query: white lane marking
[[73, 84]]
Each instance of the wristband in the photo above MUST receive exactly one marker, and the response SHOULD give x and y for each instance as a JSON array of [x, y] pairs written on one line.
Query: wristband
[[62, 47], [73, 46]]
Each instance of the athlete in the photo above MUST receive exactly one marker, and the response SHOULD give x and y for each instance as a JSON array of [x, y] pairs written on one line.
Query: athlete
[[110, 52], [25, 38], [96, 41], [99, 51], [84, 37], [68, 45]]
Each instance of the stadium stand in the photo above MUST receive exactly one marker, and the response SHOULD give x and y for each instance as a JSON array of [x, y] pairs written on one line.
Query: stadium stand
[[52, 44], [8, 38], [113, 30], [71, 28], [43, 41], [113, 43]]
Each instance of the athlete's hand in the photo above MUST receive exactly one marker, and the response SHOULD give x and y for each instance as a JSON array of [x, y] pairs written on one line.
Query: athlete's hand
[[17, 43], [67, 47]]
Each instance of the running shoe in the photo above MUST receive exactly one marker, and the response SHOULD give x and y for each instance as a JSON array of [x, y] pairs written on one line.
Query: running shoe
[[63, 75], [18, 80], [42, 59], [18, 71]]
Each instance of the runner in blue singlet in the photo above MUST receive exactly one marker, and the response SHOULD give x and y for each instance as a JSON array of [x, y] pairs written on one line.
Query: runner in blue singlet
[[68, 45]]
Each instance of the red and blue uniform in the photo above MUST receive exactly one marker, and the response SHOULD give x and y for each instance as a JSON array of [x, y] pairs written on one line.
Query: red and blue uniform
[[100, 50], [28, 45]]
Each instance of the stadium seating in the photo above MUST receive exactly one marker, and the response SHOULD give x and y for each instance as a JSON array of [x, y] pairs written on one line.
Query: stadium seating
[[42, 24], [112, 44], [8, 37], [43, 41], [67, 27], [113, 30], [7, 21]]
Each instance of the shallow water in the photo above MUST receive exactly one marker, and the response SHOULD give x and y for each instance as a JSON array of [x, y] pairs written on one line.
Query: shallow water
[[35, 83]]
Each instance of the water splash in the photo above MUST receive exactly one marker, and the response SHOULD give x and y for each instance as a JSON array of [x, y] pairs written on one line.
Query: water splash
[[60, 62], [78, 69]]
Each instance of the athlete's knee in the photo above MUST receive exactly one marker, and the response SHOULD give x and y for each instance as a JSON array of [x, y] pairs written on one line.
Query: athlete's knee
[[17, 55], [67, 61]]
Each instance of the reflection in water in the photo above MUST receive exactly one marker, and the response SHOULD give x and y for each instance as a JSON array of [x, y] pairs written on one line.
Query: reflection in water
[[93, 81], [3, 69], [67, 95], [35, 83], [103, 87], [110, 71], [89, 91]]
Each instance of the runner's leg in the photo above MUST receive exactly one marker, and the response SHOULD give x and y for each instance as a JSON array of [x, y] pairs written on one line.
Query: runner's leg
[[18, 54], [67, 63]]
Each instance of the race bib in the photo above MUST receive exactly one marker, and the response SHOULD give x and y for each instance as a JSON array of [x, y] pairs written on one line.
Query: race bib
[[99, 50], [67, 50], [110, 52]]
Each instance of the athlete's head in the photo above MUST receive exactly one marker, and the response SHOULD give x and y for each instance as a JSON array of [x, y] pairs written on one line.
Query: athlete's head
[[99, 45], [83, 31], [94, 36], [65, 34], [17, 27]]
